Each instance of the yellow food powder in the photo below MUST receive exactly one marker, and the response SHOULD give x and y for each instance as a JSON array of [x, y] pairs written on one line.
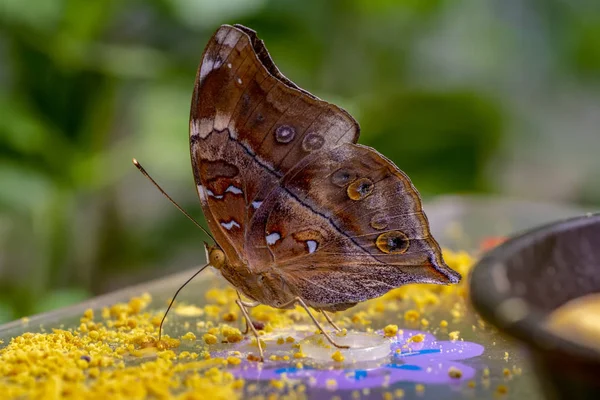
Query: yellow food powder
[[94, 359], [337, 356], [390, 330]]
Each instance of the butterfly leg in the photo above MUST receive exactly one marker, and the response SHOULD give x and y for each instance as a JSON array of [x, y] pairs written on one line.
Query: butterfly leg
[[249, 323], [246, 305], [316, 322], [328, 318]]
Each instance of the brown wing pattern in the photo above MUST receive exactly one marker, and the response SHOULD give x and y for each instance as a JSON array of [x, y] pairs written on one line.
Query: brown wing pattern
[[347, 225], [249, 125], [298, 208]]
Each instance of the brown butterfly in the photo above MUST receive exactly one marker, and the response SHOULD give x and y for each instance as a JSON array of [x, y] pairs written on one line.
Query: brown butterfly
[[301, 214]]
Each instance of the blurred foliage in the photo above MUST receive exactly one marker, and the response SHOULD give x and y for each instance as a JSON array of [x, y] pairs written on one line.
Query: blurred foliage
[[439, 86]]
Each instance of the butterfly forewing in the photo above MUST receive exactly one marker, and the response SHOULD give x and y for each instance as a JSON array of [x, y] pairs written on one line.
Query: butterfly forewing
[[248, 126]]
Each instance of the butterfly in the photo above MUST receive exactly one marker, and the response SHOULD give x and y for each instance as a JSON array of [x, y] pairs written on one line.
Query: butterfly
[[301, 213]]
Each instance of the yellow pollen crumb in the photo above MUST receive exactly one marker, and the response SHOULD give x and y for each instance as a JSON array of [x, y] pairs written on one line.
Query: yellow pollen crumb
[[230, 317], [454, 335], [443, 323], [486, 372], [255, 343], [237, 384], [471, 384], [280, 340], [424, 322], [388, 396], [93, 372], [290, 339], [455, 373], [337, 356], [417, 338], [399, 393], [189, 336], [390, 330], [209, 339], [419, 388], [506, 372], [331, 383], [299, 355], [506, 356], [88, 314], [342, 333], [502, 389], [411, 315], [299, 365], [233, 360], [94, 335], [516, 370], [277, 384], [188, 311]]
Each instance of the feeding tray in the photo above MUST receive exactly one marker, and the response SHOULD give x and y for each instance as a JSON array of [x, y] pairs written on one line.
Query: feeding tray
[[435, 346]]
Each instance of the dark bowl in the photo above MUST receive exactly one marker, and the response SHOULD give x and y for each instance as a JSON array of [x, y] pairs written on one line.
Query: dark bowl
[[517, 285]]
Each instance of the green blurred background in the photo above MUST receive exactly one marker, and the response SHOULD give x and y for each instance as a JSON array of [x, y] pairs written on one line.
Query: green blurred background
[[466, 96]]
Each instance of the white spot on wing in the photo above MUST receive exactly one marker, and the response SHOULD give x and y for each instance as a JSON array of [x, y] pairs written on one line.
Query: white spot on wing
[[232, 39], [256, 204], [239, 81], [233, 189], [205, 127], [221, 35], [229, 225], [222, 119], [194, 127], [312, 246], [211, 194], [207, 65], [272, 238], [202, 193], [218, 63], [229, 65]]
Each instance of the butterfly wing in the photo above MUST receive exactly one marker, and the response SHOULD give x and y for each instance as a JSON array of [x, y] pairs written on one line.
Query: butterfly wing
[[249, 125], [344, 226], [297, 207]]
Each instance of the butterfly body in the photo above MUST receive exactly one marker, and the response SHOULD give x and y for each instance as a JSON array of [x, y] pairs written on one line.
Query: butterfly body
[[298, 209]]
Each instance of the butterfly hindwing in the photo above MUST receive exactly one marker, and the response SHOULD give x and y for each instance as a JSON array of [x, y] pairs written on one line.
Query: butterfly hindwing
[[348, 226]]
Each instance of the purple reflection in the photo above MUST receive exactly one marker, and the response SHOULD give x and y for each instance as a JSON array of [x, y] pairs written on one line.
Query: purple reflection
[[427, 361]]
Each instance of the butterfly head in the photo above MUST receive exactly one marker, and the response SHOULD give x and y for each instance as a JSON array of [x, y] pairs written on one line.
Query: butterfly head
[[214, 255]]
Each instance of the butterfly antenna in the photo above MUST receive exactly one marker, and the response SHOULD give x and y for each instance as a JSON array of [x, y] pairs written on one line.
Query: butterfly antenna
[[174, 297], [143, 171]]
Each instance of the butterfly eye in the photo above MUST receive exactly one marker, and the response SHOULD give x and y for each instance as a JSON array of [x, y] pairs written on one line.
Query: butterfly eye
[[394, 242], [342, 177], [217, 258], [360, 189]]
